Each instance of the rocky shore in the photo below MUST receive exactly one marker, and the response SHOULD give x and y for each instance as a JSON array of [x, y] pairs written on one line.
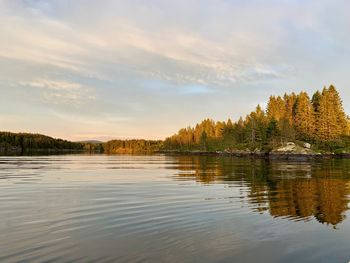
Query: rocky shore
[[265, 155], [290, 152]]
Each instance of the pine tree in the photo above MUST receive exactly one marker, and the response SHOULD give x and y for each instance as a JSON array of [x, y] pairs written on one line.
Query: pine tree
[[331, 119], [256, 127], [219, 129], [341, 119], [229, 124], [239, 130], [276, 108], [316, 98], [304, 117], [228, 140], [272, 134], [290, 101], [204, 141]]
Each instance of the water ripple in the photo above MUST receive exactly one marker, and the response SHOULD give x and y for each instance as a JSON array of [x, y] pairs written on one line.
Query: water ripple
[[82, 208]]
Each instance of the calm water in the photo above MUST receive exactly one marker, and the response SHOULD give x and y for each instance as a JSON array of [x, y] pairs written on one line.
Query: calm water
[[79, 208]]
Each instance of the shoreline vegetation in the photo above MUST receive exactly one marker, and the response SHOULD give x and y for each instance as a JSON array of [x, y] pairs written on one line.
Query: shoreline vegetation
[[286, 156], [294, 126], [29, 143]]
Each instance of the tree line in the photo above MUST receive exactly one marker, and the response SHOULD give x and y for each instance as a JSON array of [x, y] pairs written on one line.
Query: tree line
[[319, 120], [17, 143], [132, 146], [24, 142]]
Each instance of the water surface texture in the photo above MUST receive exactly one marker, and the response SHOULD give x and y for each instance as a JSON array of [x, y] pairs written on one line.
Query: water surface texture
[[98, 208]]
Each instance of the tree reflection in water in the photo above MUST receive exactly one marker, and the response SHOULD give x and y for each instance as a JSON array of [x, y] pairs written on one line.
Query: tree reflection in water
[[294, 190]]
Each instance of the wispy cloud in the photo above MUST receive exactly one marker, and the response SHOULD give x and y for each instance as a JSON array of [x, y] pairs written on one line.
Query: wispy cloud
[[62, 92], [170, 52]]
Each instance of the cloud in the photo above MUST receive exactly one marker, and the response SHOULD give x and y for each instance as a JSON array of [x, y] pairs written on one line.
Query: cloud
[[140, 60], [62, 92], [196, 90], [172, 52]]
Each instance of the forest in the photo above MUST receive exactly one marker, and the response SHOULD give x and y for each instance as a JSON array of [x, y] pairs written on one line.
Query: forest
[[18, 143], [27, 142], [319, 120], [132, 146]]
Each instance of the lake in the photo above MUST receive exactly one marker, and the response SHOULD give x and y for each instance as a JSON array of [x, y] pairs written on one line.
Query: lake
[[157, 208]]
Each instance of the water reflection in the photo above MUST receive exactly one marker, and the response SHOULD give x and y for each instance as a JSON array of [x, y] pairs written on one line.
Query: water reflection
[[82, 208], [296, 191]]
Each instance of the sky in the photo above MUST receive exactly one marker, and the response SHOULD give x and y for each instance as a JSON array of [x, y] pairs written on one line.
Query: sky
[[88, 69]]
